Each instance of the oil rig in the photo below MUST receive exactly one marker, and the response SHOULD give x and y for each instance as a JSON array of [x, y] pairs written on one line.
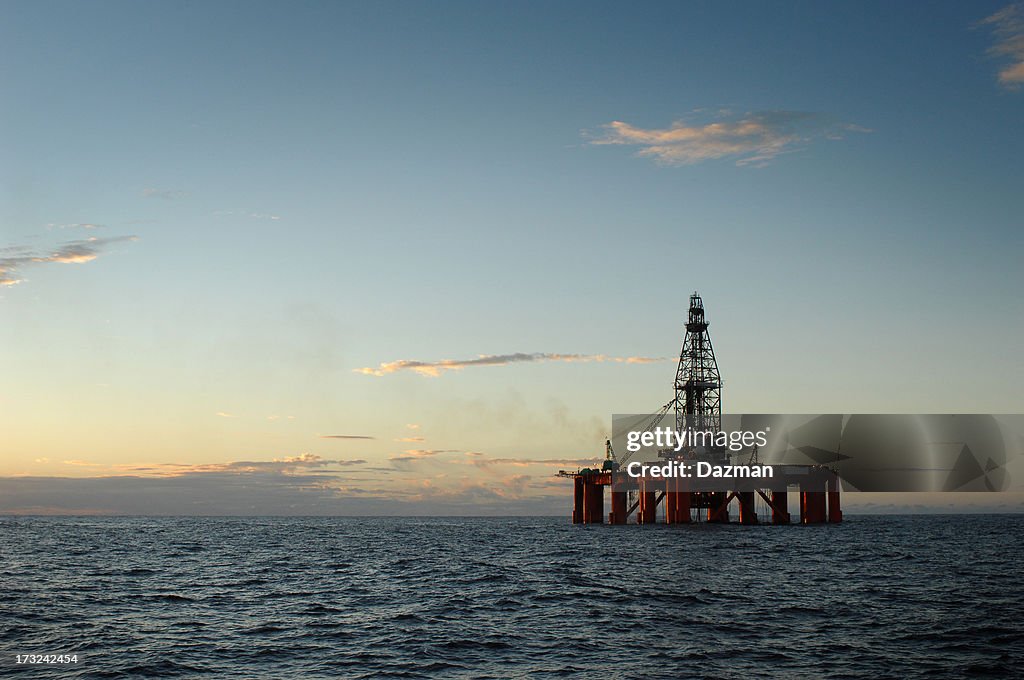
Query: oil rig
[[697, 407]]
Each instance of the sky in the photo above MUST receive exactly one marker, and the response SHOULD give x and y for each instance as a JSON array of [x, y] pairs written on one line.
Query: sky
[[397, 257]]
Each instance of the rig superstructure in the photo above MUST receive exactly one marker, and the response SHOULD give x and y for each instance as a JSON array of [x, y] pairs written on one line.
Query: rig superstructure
[[697, 407]]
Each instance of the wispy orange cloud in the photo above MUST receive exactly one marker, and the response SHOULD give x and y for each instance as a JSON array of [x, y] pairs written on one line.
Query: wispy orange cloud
[[420, 453], [1008, 27], [433, 369], [753, 139], [14, 258]]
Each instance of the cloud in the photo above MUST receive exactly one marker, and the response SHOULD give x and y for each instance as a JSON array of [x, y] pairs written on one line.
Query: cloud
[[515, 486], [476, 459], [429, 452], [524, 462], [752, 139], [278, 466], [476, 495], [1008, 28], [434, 368], [15, 258], [164, 194], [345, 436], [410, 439], [72, 253], [246, 213], [409, 456], [222, 414], [74, 225]]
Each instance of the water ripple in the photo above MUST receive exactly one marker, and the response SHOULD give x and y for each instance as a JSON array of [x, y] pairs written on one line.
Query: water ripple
[[495, 598]]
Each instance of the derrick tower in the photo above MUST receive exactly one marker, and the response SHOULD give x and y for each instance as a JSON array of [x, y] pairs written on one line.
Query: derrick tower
[[698, 408], [698, 385]]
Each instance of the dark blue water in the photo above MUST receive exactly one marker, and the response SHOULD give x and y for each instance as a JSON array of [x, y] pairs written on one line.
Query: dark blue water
[[498, 598]]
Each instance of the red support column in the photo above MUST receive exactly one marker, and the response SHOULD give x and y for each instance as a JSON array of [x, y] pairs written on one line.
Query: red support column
[[618, 513], [648, 510], [748, 513], [719, 510], [683, 506], [670, 505], [593, 503], [835, 513], [577, 500], [677, 502], [646, 514], [819, 506], [780, 507], [812, 504]]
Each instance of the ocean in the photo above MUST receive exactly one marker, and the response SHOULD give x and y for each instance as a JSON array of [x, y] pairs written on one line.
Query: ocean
[[300, 597]]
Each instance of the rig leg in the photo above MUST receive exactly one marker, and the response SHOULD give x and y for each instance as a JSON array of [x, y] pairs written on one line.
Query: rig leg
[[618, 513], [780, 507], [835, 513], [671, 500], [648, 512], [812, 505], [677, 502], [683, 507], [577, 501], [748, 513], [593, 503], [718, 511]]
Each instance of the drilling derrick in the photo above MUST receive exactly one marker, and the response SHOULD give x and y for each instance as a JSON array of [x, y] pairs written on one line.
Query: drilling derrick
[[698, 385], [699, 443]]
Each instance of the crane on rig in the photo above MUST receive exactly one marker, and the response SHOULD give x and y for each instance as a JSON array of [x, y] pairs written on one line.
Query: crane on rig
[[646, 425], [610, 463]]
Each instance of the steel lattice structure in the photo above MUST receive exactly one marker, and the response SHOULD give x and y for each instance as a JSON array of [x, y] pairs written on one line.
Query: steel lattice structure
[[698, 384]]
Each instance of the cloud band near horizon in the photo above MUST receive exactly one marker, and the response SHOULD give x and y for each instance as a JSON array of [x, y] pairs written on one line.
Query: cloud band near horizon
[[433, 369]]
